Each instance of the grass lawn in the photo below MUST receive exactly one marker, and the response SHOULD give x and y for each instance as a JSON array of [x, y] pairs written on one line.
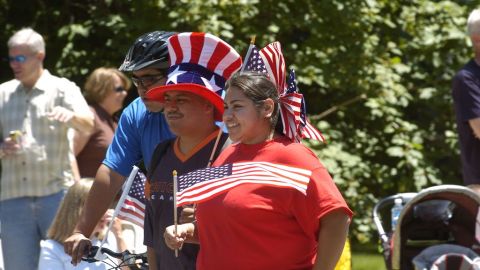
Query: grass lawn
[[367, 257], [367, 261]]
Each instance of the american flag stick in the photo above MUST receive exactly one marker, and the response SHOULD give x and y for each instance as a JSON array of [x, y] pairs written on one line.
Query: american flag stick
[[210, 160], [126, 188], [249, 51], [175, 218]]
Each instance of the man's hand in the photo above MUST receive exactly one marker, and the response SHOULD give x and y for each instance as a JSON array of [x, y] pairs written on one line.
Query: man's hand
[[77, 245], [9, 147], [175, 239], [187, 215], [475, 125], [60, 114]]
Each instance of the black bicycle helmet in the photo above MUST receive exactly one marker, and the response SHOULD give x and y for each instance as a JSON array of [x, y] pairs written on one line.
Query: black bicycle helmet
[[149, 50]]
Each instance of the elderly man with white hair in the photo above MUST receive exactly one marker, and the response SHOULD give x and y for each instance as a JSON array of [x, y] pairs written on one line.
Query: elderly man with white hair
[[36, 111], [466, 96]]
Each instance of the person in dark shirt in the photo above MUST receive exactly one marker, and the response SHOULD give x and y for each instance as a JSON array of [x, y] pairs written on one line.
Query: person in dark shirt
[[466, 97], [193, 102], [105, 90]]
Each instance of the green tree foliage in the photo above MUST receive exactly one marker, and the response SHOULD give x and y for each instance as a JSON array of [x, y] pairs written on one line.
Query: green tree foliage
[[376, 73]]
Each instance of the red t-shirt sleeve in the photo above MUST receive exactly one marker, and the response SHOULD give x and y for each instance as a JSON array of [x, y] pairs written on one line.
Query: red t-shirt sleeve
[[322, 195]]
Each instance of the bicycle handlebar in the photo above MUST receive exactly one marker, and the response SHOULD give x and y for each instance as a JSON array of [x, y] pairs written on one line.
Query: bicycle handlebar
[[126, 258]]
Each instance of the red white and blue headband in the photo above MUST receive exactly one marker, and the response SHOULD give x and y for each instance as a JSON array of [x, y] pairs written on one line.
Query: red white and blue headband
[[293, 111]]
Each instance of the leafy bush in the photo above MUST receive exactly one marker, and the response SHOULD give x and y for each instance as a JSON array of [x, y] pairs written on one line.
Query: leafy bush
[[376, 73]]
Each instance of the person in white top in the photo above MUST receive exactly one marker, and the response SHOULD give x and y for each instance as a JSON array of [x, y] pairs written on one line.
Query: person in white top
[[52, 255]]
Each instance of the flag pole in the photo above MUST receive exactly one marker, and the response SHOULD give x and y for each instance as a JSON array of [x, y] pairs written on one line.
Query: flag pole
[[126, 189], [249, 51], [175, 218], [210, 160]]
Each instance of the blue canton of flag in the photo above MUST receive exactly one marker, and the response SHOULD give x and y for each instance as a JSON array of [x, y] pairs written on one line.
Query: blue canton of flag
[[255, 62], [291, 83], [192, 178], [292, 88], [133, 208]]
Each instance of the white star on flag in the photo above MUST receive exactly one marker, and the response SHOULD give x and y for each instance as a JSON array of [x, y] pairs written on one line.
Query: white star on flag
[[172, 78]]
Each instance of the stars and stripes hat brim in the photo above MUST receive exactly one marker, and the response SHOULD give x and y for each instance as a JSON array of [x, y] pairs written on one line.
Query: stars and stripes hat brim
[[200, 63]]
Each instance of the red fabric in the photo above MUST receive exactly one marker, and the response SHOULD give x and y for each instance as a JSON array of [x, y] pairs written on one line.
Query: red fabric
[[175, 46], [273, 56], [197, 39], [260, 227]]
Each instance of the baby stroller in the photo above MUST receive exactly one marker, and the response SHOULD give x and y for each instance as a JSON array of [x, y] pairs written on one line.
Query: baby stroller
[[444, 214]]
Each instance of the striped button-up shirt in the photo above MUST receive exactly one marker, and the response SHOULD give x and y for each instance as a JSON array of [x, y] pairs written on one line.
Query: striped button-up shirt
[[42, 166]]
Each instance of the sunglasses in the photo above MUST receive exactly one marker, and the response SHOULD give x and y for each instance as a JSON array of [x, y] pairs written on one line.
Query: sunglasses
[[120, 89], [17, 58], [146, 81]]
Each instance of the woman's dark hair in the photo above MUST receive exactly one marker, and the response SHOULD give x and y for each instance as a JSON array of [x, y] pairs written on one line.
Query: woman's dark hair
[[257, 87]]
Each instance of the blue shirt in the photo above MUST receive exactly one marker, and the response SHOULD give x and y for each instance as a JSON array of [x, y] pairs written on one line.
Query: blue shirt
[[137, 134]]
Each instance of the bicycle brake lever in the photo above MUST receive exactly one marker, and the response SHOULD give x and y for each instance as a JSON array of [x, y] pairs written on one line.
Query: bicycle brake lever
[[90, 257]]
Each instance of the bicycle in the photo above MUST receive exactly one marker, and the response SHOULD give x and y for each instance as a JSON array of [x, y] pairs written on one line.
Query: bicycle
[[117, 260]]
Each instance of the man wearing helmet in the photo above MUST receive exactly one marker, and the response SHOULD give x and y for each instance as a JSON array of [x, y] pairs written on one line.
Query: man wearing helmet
[[141, 127], [147, 59]]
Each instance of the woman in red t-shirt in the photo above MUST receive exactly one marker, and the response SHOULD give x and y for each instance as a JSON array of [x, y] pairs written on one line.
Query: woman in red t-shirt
[[254, 226]]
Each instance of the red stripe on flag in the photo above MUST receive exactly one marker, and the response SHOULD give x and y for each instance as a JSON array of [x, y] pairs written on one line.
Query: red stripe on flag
[[232, 68], [220, 51], [313, 133], [134, 205], [177, 49], [275, 62], [128, 211], [133, 219], [196, 41]]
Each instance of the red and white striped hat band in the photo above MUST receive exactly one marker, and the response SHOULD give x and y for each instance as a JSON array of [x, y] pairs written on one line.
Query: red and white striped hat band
[[200, 63]]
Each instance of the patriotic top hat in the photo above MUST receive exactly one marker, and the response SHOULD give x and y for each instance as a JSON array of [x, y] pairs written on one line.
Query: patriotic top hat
[[200, 63]]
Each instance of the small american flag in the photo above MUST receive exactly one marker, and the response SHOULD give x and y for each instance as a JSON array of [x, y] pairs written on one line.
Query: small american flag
[[290, 99], [275, 63], [204, 184], [305, 129], [255, 62], [133, 208]]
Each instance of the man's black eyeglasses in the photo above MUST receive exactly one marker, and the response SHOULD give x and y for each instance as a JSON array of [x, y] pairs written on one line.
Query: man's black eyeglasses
[[147, 81]]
